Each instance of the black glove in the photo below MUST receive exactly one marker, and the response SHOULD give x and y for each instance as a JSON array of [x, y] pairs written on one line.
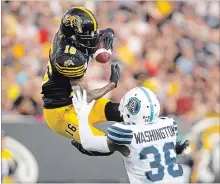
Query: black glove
[[89, 153], [115, 74], [181, 146], [107, 36]]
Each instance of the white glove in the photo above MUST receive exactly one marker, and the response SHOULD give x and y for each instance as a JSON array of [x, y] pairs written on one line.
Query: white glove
[[88, 140], [82, 107]]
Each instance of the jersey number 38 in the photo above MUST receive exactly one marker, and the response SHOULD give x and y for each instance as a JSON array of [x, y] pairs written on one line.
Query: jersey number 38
[[156, 164]]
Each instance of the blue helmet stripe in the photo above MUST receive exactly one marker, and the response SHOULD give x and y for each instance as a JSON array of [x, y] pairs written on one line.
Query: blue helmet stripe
[[151, 105]]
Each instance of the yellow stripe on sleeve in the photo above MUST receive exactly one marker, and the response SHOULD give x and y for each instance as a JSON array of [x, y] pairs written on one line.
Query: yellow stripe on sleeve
[[70, 73], [70, 70], [73, 76]]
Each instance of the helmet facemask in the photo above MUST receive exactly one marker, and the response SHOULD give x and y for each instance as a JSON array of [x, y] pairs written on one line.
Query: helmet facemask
[[87, 43]]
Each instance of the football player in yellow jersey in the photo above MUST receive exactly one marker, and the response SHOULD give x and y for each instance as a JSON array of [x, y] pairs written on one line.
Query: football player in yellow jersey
[[72, 46], [203, 159], [9, 164]]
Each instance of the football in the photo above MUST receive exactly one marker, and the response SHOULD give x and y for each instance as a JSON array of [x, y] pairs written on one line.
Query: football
[[102, 55]]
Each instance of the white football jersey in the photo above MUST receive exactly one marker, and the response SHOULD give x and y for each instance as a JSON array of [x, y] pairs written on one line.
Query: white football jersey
[[152, 157]]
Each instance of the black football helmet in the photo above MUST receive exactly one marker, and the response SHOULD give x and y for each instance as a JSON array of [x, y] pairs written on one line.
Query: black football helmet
[[79, 26]]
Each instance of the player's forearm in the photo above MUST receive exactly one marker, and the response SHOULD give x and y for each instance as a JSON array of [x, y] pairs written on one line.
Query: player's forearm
[[88, 140], [92, 94], [98, 93]]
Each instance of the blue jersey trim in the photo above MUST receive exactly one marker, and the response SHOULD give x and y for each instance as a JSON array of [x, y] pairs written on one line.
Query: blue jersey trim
[[120, 135], [119, 140], [119, 132], [120, 129]]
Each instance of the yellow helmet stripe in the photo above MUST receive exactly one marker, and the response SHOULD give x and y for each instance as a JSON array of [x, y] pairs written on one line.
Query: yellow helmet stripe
[[90, 15], [215, 129]]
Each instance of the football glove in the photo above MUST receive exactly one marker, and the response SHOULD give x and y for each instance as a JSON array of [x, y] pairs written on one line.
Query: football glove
[[82, 107], [107, 36], [181, 146], [115, 74], [89, 153]]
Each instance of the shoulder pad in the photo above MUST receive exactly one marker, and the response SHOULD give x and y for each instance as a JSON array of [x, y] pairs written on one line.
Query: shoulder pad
[[174, 123], [70, 66], [170, 119], [119, 133]]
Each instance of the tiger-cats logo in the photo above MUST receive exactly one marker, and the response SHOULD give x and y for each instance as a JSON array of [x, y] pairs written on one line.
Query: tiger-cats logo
[[73, 20], [68, 63]]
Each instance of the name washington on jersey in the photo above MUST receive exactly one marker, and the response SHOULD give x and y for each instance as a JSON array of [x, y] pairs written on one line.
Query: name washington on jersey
[[155, 134]]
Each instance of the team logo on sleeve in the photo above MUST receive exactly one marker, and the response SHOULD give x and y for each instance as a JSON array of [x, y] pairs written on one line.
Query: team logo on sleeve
[[73, 20], [133, 105], [68, 63]]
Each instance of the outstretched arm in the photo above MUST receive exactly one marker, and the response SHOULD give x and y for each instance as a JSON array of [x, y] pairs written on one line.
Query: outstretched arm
[[92, 94], [117, 139], [88, 140], [98, 93]]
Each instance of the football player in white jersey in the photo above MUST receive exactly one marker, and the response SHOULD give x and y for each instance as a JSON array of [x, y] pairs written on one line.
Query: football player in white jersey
[[148, 143]]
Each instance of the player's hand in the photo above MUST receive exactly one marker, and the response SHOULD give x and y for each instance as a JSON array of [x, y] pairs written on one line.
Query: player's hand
[[82, 107], [115, 74], [181, 146], [86, 152], [107, 36]]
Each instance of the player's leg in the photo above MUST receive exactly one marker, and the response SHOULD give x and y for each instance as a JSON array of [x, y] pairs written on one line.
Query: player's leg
[[104, 110], [70, 117], [64, 122], [55, 119]]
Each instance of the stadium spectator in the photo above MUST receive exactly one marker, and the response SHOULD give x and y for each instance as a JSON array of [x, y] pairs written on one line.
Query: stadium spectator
[[170, 47]]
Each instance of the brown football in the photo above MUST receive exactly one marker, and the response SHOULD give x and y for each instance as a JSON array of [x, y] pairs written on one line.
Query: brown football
[[102, 55]]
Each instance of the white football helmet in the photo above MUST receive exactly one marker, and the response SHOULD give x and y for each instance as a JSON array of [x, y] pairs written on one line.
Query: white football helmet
[[139, 105]]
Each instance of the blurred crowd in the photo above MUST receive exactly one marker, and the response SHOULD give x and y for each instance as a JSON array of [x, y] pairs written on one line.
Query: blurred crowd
[[169, 47]]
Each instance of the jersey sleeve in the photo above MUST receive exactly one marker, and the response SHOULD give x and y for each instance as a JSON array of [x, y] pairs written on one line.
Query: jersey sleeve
[[120, 134], [71, 67]]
